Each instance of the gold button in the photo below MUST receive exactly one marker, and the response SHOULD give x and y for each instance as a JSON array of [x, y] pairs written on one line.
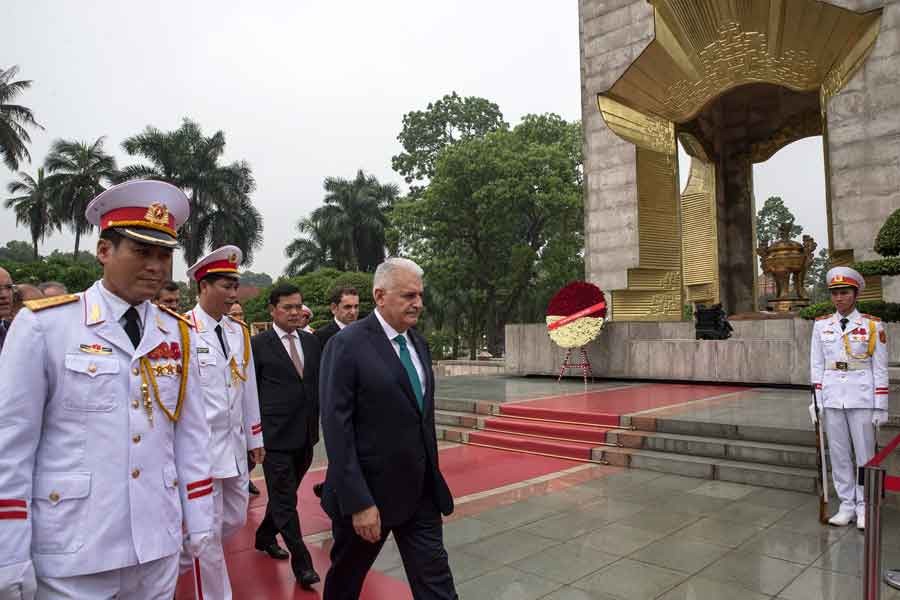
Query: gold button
[[136, 438], [54, 497], [136, 473], [135, 371], [92, 368], [135, 404]]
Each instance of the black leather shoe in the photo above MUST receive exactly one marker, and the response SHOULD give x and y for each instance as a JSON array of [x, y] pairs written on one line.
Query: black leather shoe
[[307, 578], [317, 490], [253, 489], [273, 550]]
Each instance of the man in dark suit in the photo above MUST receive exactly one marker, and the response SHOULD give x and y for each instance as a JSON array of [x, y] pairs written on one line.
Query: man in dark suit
[[287, 375], [345, 308], [377, 391]]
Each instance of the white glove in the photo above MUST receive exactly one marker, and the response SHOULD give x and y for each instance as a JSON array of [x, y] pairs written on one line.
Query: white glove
[[196, 543], [879, 417], [813, 414], [17, 581]]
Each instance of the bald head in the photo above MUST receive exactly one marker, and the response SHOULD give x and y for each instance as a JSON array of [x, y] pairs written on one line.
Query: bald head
[[6, 294]]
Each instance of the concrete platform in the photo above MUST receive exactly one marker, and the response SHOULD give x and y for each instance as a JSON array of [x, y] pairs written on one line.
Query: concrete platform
[[773, 352]]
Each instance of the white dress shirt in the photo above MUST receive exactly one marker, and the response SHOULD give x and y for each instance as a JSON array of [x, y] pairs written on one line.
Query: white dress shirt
[[119, 307], [339, 324], [285, 337], [392, 333]]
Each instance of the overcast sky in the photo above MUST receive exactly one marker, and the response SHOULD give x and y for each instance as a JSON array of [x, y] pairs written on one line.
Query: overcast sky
[[305, 90]]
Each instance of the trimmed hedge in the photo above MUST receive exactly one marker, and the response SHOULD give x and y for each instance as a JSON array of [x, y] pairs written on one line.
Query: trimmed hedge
[[888, 312], [881, 266], [887, 242]]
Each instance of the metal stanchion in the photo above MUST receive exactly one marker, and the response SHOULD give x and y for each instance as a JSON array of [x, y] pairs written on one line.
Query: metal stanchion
[[873, 480]]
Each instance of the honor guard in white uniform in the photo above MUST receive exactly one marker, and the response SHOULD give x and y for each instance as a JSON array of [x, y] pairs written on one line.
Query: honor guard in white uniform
[[848, 363], [228, 379], [103, 436]]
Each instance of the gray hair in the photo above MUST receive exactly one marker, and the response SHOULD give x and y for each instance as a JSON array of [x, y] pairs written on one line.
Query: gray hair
[[384, 274], [53, 284]]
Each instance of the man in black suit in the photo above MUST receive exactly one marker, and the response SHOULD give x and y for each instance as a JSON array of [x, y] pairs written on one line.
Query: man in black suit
[[287, 374], [377, 391], [345, 308]]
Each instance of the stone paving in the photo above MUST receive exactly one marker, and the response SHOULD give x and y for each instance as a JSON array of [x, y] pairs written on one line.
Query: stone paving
[[641, 535]]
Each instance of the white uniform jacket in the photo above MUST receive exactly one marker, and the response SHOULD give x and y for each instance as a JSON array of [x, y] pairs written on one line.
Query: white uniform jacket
[[852, 380], [87, 483], [229, 392]]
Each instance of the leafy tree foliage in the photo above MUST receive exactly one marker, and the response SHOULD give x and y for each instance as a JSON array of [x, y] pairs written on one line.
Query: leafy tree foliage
[[426, 133], [15, 120], [348, 231], [17, 251], [220, 195], [260, 280], [79, 171], [315, 287], [770, 217], [495, 209], [33, 206], [77, 276], [887, 243]]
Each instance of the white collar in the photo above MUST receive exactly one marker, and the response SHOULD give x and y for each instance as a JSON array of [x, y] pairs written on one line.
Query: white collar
[[119, 307], [388, 330], [339, 324], [207, 319], [281, 332]]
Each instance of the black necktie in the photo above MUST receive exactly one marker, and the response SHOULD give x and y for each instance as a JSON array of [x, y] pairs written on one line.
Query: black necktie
[[221, 339], [132, 326], [844, 322]]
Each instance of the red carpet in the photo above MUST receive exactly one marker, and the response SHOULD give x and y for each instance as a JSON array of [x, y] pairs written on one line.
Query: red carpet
[[548, 429], [468, 470], [510, 441], [606, 407]]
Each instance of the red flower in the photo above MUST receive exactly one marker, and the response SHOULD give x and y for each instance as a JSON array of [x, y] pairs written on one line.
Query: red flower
[[575, 297]]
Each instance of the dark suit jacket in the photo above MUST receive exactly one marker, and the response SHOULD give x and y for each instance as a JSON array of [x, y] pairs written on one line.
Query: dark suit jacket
[[381, 449], [324, 333], [288, 405]]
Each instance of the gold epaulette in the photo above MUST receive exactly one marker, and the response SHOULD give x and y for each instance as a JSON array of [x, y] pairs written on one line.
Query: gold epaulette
[[172, 313], [42, 303], [239, 322], [871, 317], [823, 317]]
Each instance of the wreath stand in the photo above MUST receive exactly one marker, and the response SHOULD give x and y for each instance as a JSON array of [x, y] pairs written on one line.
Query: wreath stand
[[585, 365]]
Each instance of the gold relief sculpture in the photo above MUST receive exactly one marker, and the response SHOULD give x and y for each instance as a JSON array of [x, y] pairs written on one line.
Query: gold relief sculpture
[[702, 49]]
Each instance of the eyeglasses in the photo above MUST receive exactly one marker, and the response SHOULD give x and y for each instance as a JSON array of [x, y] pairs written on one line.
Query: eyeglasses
[[7, 287]]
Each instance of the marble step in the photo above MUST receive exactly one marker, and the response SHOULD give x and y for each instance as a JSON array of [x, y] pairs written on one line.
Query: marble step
[[766, 475], [767, 453]]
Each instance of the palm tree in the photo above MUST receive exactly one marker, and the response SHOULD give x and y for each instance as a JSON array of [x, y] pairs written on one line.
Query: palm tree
[[14, 118], [221, 209], [357, 211], [34, 207], [78, 172], [310, 251]]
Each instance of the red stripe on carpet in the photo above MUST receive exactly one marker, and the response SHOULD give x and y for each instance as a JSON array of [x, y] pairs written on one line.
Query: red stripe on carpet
[[577, 450], [564, 431], [604, 407]]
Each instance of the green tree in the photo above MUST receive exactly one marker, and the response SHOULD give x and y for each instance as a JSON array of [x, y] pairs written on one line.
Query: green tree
[[259, 280], [33, 206], [887, 242], [78, 173], [354, 220], [309, 251], [770, 217], [14, 120], [221, 207], [815, 276], [17, 251], [426, 133], [495, 208]]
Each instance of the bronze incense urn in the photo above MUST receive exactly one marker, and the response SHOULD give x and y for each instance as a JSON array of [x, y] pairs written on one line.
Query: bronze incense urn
[[787, 262]]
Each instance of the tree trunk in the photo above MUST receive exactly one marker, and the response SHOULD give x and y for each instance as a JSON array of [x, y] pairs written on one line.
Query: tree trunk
[[77, 244], [34, 242]]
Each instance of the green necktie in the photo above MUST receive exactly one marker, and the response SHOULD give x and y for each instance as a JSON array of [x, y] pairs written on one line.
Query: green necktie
[[411, 372]]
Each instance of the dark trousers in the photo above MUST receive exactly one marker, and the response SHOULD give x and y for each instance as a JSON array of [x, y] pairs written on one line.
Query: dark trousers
[[420, 542], [284, 470]]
